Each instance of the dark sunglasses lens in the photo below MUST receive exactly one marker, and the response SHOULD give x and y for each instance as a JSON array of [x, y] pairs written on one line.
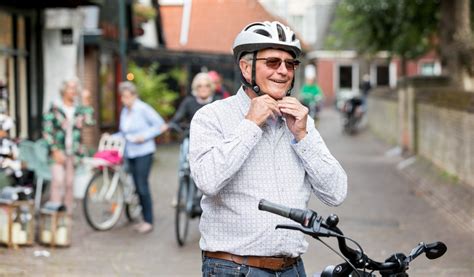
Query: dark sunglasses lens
[[273, 63], [291, 64]]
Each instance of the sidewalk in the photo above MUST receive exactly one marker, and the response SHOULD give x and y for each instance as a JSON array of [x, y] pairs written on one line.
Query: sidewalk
[[444, 193], [386, 211]]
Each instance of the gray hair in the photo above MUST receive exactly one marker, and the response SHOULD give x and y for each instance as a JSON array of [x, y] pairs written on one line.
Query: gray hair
[[127, 86], [199, 77], [248, 58], [66, 82]]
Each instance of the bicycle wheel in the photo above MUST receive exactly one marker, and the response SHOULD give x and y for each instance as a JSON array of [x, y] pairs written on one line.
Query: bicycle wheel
[[133, 209], [103, 202], [182, 215]]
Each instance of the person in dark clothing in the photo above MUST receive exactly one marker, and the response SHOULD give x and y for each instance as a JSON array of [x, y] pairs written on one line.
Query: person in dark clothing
[[202, 93]]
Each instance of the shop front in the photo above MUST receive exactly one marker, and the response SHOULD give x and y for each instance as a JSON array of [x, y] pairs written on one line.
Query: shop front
[[18, 71]]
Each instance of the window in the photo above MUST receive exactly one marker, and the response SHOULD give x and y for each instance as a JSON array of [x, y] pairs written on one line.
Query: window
[[383, 75], [107, 91], [345, 76], [427, 68]]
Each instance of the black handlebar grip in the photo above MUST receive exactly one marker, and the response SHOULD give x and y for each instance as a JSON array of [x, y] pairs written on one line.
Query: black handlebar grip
[[273, 208], [293, 214]]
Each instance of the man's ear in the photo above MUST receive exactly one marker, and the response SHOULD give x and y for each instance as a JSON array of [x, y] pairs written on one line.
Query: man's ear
[[246, 69]]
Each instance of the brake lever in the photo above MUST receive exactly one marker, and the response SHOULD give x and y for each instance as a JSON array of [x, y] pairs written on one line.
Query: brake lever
[[315, 231], [305, 230]]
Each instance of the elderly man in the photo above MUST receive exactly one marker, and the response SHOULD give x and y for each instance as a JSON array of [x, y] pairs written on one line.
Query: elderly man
[[258, 144]]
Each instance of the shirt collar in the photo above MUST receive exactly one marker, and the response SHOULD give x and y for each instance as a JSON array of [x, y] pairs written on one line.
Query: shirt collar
[[243, 101], [135, 104]]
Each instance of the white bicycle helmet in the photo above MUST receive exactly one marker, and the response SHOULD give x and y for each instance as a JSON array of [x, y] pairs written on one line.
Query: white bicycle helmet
[[261, 35]]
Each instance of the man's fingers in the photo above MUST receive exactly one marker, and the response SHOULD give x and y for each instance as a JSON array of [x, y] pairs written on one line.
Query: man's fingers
[[295, 113]]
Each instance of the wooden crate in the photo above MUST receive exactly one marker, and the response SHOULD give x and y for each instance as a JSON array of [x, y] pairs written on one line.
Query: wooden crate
[[17, 223], [55, 228]]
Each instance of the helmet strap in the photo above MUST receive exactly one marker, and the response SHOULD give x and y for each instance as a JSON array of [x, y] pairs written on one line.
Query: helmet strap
[[288, 93], [255, 87]]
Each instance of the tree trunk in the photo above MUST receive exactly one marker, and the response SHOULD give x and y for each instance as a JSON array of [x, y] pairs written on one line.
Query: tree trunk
[[457, 43], [403, 65]]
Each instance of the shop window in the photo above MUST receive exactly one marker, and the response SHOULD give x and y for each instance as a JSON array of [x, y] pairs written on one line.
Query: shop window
[[6, 33], [4, 73], [107, 91]]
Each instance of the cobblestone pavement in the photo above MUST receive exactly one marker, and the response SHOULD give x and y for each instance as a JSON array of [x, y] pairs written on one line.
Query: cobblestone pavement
[[383, 212]]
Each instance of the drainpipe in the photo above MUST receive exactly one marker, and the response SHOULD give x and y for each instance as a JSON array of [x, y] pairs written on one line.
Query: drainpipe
[[186, 19], [122, 40]]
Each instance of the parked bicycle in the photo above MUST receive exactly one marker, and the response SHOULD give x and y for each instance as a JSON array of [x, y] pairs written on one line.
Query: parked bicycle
[[357, 263], [189, 197], [111, 188]]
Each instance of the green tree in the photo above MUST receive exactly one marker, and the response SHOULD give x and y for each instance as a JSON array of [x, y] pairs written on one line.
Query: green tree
[[405, 28], [153, 88], [409, 29]]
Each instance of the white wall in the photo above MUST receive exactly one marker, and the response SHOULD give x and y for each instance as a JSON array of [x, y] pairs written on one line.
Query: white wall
[[310, 18], [149, 38], [60, 61]]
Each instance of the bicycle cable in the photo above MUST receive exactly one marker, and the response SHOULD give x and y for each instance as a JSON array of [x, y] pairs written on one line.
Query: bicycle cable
[[340, 255], [355, 242]]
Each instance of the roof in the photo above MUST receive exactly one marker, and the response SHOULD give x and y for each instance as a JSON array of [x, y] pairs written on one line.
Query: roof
[[214, 24]]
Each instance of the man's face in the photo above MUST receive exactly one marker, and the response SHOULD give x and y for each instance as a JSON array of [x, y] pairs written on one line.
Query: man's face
[[272, 81]]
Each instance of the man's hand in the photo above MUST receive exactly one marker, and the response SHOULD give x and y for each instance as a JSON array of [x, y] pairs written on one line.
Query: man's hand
[[296, 116], [58, 156], [261, 108]]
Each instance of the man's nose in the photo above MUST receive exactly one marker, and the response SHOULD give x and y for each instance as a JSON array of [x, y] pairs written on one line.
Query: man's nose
[[282, 68]]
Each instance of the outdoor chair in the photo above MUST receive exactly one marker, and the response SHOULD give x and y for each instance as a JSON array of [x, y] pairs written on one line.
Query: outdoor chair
[[35, 156]]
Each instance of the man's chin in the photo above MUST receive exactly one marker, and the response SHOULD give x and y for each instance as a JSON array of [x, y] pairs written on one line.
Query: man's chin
[[277, 94]]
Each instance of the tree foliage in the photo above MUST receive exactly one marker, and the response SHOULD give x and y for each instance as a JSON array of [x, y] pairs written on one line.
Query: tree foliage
[[153, 88], [402, 27]]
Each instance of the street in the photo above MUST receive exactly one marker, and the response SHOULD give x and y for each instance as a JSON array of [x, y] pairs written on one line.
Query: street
[[382, 212]]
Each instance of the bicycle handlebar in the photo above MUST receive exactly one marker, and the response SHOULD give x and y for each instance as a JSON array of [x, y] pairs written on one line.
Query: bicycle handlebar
[[303, 217], [315, 226]]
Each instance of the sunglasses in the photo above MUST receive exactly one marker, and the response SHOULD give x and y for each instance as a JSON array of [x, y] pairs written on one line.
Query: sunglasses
[[274, 63]]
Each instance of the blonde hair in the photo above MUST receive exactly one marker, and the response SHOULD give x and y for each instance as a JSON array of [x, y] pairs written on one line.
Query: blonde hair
[[198, 78]]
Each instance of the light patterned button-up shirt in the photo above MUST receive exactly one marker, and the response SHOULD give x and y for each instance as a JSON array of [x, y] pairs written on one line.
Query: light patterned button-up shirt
[[235, 163]]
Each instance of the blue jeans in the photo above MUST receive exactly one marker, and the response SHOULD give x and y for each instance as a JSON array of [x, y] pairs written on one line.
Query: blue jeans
[[222, 268], [140, 169]]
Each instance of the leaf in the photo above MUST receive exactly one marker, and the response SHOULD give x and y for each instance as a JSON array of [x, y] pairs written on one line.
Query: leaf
[[153, 87]]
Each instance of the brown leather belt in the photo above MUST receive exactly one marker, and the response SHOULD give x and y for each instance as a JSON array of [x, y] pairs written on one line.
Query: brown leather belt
[[272, 263]]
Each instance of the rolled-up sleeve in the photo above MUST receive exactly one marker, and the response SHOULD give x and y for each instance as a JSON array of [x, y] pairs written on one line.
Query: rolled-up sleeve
[[214, 159], [326, 176]]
